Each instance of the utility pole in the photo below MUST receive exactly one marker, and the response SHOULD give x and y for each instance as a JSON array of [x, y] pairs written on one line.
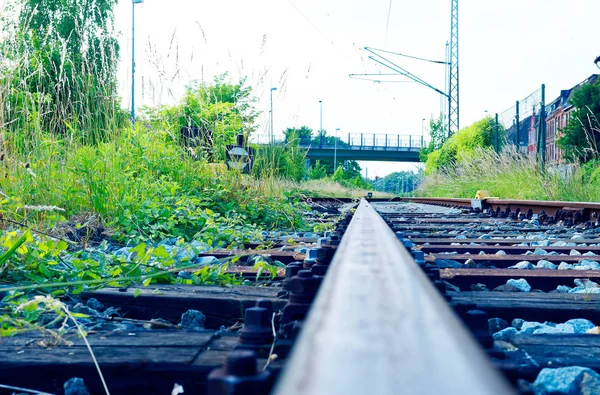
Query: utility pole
[[321, 124], [335, 150], [453, 88]]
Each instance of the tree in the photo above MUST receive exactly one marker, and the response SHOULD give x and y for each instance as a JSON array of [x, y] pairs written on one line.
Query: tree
[[303, 134], [581, 136], [65, 54], [439, 135], [399, 182]]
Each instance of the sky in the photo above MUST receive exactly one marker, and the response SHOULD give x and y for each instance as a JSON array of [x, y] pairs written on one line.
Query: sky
[[308, 48]]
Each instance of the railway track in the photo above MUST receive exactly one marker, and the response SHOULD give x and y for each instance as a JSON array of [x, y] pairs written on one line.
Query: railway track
[[419, 297], [387, 322]]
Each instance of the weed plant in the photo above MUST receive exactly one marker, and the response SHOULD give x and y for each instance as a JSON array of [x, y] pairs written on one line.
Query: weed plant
[[510, 174]]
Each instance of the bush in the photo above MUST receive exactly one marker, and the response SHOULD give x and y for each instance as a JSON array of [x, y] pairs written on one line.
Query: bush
[[461, 145], [222, 107]]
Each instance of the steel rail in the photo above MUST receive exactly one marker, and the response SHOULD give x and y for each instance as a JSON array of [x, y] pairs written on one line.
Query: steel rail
[[550, 207], [378, 326]]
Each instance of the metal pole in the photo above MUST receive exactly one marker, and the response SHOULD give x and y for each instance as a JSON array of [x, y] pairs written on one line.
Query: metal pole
[[518, 128], [321, 124], [497, 133], [543, 124], [272, 135], [422, 132], [335, 150], [133, 65]]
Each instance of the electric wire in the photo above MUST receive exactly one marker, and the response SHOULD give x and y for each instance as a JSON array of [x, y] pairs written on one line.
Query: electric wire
[[409, 56]]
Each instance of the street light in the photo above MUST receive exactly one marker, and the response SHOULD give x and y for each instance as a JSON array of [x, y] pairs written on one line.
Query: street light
[[422, 132], [133, 3], [272, 89], [335, 150], [321, 124], [597, 61]]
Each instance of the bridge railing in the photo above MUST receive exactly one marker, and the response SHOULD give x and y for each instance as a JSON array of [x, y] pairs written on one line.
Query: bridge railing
[[353, 140]]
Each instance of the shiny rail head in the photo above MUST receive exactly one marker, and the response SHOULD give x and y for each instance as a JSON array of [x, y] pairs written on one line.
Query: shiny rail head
[[378, 326]]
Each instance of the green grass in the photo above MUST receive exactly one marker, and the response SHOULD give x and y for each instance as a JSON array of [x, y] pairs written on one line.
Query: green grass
[[511, 175]]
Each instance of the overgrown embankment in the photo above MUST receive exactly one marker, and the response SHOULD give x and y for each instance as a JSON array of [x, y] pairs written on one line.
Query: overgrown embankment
[[512, 175], [467, 162]]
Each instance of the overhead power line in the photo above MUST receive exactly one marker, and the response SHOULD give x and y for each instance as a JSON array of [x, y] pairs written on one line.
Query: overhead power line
[[410, 56]]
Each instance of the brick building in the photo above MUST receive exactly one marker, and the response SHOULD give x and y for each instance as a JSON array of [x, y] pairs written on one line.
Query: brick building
[[558, 114]]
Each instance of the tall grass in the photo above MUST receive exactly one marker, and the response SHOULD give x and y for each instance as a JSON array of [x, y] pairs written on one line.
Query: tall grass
[[57, 75], [511, 175]]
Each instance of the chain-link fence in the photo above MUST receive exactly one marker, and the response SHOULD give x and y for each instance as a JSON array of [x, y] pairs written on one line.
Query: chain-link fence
[[523, 125]]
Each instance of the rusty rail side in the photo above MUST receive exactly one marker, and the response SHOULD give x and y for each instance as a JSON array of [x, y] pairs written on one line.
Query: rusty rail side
[[378, 326], [550, 207]]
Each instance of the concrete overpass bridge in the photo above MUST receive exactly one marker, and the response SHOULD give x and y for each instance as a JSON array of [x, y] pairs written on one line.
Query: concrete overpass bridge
[[358, 146]]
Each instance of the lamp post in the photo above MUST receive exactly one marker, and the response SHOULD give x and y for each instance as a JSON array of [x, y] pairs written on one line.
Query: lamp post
[[133, 3], [321, 124], [422, 132], [272, 135], [335, 150], [597, 61]]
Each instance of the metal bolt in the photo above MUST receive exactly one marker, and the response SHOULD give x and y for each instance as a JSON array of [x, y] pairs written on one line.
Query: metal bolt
[[257, 326], [241, 363], [239, 376], [291, 270]]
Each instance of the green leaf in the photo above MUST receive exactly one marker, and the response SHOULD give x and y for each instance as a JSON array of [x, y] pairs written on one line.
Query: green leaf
[[136, 293], [20, 241], [161, 252], [259, 272], [62, 245], [147, 282]]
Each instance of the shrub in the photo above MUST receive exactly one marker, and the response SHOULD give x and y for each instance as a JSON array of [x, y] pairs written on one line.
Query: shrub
[[460, 145]]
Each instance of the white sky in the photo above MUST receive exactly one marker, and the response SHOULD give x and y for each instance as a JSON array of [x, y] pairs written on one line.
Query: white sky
[[307, 49]]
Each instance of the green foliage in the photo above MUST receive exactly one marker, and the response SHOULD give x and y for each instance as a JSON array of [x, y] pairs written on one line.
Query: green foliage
[[284, 161], [262, 265], [439, 134], [461, 145], [347, 175], [511, 175], [48, 265], [144, 185], [399, 182], [349, 178], [581, 136], [43, 313], [317, 171], [59, 73], [223, 107], [303, 133]]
